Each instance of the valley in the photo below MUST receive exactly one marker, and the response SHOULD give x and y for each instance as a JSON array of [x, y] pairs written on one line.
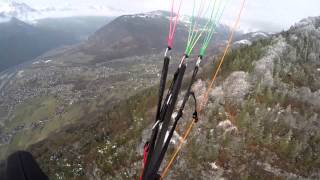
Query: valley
[[51, 94]]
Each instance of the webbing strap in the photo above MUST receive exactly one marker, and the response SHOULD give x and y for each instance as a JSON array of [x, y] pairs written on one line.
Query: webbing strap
[[163, 81], [165, 124], [155, 130], [177, 118]]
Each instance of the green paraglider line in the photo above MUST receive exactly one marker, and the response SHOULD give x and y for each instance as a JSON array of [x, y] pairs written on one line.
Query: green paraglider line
[[210, 20], [193, 35], [191, 25], [214, 23]]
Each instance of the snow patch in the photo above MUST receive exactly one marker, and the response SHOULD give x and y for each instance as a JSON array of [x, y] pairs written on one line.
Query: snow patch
[[243, 42], [225, 124], [214, 166], [47, 61], [153, 14], [20, 74], [259, 34]]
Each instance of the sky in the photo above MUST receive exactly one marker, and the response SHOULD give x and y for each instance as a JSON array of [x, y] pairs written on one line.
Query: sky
[[266, 15]]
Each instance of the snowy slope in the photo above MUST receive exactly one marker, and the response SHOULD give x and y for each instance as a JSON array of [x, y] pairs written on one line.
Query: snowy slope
[[18, 10]]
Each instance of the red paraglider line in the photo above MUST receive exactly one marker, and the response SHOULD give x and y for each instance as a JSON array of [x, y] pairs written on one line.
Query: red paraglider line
[[171, 18], [173, 25], [176, 20]]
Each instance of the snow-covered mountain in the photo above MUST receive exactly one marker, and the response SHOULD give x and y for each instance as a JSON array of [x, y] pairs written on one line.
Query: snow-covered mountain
[[27, 13], [248, 38], [310, 22], [17, 10]]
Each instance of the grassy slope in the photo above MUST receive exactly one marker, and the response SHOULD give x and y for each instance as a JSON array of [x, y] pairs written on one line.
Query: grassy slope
[[117, 124], [32, 112]]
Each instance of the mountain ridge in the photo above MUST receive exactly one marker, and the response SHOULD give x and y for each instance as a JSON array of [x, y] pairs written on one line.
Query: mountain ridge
[[138, 34]]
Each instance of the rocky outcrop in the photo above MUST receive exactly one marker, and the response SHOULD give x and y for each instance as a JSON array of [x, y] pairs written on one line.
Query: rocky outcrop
[[236, 87], [264, 68]]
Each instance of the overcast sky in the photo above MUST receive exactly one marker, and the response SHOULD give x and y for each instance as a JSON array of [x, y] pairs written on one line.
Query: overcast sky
[[269, 15]]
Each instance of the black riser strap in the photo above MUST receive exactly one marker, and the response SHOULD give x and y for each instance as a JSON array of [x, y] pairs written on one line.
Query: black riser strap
[[177, 118], [186, 97], [163, 81], [154, 134], [166, 121]]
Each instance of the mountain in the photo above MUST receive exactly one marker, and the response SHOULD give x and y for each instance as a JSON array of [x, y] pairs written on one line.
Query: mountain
[[44, 35], [17, 10], [248, 38], [20, 42], [132, 35], [261, 121], [128, 35], [24, 12]]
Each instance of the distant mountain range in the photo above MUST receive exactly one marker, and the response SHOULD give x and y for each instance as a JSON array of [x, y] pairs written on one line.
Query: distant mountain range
[[127, 35], [24, 12], [16, 10], [27, 32], [133, 35]]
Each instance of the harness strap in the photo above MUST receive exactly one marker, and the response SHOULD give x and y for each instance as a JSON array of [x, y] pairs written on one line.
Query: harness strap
[[155, 130], [165, 125]]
